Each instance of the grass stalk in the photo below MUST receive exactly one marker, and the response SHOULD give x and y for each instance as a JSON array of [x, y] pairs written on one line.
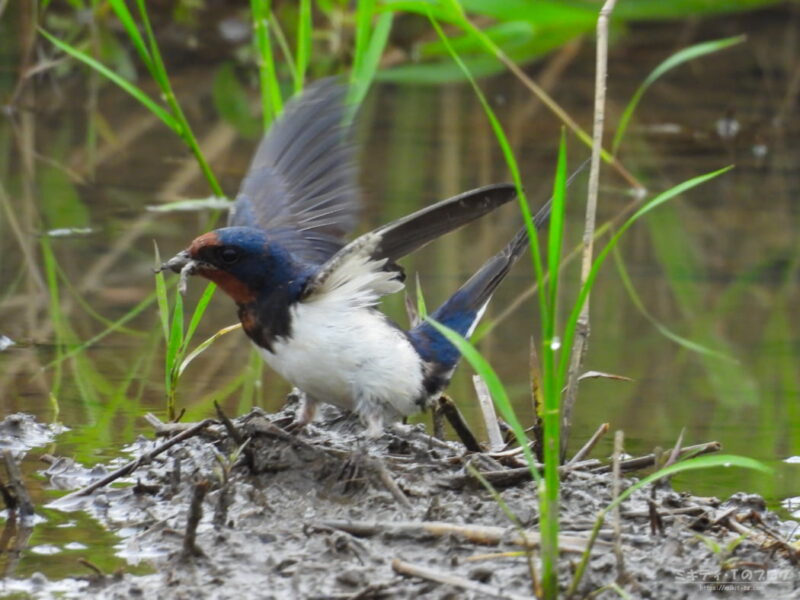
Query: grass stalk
[[177, 338], [551, 386]]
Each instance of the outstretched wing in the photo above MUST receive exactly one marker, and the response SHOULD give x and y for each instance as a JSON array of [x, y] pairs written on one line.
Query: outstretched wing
[[364, 270], [302, 183]]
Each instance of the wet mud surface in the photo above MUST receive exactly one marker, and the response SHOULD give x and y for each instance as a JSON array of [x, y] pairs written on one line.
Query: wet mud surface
[[329, 513]]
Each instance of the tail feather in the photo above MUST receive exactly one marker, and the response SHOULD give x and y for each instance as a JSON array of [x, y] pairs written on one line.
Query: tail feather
[[464, 309]]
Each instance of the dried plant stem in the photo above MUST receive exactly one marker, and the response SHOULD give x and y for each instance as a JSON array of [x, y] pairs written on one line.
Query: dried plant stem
[[619, 437], [582, 332], [493, 432], [536, 395], [22, 500], [486, 535], [588, 446], [483, 590], [190, 548], [649, 460]]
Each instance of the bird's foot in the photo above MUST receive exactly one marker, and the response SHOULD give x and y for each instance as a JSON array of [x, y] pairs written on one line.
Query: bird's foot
[[351, 477], [305, 413], [296, 426]]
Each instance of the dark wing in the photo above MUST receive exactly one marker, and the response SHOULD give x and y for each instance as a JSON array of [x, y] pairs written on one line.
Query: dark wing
[[364, 269], [302, 183], [402, 236]]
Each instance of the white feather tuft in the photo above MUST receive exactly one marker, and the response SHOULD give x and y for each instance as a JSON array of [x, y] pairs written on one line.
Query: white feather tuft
[[354, 278]]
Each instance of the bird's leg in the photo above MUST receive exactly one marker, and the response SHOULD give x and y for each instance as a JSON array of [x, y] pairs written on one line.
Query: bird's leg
[[305, 413], [374, 422], [370, 412]]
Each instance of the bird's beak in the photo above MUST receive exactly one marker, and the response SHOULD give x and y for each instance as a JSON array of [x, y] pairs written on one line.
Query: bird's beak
[[177, 262], [181, 263]]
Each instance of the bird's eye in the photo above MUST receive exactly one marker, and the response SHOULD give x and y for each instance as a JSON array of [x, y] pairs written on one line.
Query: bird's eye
[[229, 255]]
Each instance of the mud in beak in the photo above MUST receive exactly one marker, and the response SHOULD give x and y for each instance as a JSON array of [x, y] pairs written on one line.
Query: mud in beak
[[176, 263], [181, 263]]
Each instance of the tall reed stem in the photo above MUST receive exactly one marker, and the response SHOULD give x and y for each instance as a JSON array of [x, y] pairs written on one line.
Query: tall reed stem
[[579, 349]]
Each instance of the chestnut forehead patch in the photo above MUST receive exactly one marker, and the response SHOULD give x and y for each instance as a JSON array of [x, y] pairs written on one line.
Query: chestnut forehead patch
[[206, 240]]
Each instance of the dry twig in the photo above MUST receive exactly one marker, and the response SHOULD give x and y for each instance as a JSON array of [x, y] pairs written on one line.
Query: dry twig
[[22, 501], [588, 446], [643, 462], [457, 422], [190, 548], [496, 442], [582, 331], [485, 591], [615, 492], [478, 534]]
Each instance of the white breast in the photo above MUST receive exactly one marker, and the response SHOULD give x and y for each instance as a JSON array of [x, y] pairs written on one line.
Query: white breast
[[351, 357]]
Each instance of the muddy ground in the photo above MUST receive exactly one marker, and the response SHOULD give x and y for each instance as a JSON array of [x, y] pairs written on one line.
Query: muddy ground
[[329, 514]]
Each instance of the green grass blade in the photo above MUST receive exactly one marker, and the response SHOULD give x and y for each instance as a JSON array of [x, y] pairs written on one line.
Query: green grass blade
[[161, 296], [304, 24], [271, 99], [496, 389], [551, 387], [669, 195], [370, 44], [159, 73], [571, 325], [89, 309], [556, 230], [441, 11], [677, 59], [55, 312], [199, 311], [126, 18], [365, 9], [642, 10], [283, 45], [126, 85], [158, 70], [175, 340], [422, 308], [204, 345]]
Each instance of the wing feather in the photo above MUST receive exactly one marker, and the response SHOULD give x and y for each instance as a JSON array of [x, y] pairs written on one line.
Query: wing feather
[[365, 267], [302, 182]]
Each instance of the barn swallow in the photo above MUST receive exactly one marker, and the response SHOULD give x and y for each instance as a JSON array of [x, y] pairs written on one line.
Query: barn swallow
[[307, 299]]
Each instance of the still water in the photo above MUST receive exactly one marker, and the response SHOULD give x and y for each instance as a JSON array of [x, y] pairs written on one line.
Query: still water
[[718, 266]]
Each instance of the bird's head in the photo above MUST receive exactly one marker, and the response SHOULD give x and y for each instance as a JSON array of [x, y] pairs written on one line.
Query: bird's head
[[242, 261]]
